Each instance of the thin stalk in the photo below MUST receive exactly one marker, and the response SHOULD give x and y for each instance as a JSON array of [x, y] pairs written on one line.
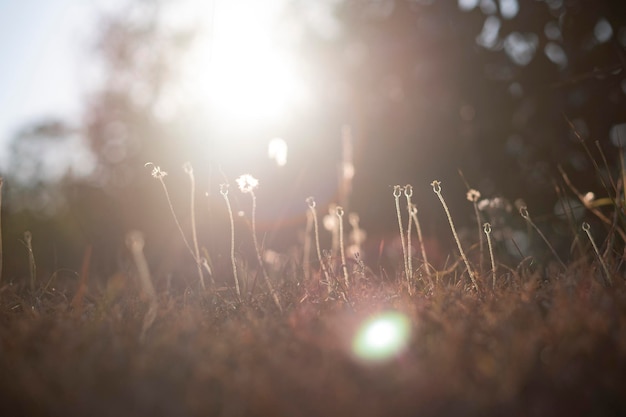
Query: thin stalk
[[606, 167], [310, 201], [473, 196], [608, 282], [408, 193], [224, 192], [397, 191], [413, 213], [32, 267], [437, 189], [258, 254], [344, 266], [194, 235], [159, 174], [135, 243], [523, 211], [306, 255], [589, 205], [487, 230]]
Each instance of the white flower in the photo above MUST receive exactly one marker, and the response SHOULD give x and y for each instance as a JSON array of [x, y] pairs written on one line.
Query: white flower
[[247, 183], [157, 172], [473, 195]]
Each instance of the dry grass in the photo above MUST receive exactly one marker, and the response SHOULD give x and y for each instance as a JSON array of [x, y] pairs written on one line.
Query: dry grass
[[541, 340], [539, 345]]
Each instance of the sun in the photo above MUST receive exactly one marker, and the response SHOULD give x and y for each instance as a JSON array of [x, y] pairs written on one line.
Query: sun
[[240, 68]]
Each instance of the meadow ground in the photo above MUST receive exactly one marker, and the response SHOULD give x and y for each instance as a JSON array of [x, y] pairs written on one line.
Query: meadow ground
[[318, 336], [543, 343]]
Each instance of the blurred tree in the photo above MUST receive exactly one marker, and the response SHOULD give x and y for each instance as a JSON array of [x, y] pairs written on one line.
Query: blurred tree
[[481, 85], [427, 86]]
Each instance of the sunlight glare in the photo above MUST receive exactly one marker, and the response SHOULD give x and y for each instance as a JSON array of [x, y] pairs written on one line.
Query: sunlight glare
[[382, 337], [239, 69]]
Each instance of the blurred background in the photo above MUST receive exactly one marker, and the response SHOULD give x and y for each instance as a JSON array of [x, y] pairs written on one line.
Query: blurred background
[[337, 99]]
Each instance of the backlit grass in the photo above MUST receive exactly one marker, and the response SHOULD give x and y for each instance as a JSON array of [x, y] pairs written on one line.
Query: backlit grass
[[527, 339]]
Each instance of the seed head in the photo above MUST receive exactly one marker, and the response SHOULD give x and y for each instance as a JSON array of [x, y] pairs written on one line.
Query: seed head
[[156, 171], [247, 183], [473, 195], [588, 198]]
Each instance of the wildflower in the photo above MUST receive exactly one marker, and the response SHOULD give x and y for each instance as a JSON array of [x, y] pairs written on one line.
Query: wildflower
[[473, 195], [157, 172], [247, 183]]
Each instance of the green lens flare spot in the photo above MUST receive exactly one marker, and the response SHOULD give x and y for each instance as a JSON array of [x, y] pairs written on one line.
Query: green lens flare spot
[[382, 337]]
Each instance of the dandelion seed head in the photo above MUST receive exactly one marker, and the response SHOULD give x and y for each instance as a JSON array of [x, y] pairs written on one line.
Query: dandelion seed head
[[157, 172], [473, 195], [247, 183]]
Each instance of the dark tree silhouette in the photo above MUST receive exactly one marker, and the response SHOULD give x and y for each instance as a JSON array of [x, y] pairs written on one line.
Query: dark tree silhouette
[[428, 87]]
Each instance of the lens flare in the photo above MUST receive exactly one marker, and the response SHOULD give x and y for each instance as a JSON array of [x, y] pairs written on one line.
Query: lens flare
[[382, 337], [277, 150]]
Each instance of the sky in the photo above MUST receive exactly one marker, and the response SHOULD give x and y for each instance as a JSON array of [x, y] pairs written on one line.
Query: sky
[[48, 65], [44, 54], [42, 45]]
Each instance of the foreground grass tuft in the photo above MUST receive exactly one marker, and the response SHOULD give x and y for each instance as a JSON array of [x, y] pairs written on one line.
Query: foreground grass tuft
[[537, 346]]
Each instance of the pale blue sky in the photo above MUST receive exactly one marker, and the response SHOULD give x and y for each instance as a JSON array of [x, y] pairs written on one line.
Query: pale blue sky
[[44, 59]]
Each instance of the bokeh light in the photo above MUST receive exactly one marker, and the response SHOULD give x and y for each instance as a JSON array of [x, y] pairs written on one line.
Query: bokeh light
[[382, 337], [277, 150]]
